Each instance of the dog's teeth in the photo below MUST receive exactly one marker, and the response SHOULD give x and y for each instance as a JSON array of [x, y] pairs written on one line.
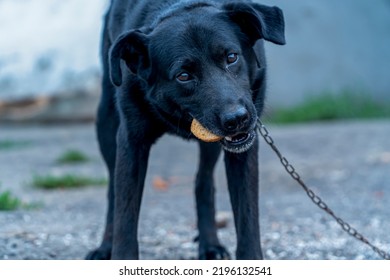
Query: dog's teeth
[[228, 138]]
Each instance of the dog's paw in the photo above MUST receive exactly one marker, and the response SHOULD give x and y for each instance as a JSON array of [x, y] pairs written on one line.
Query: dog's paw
[[99, 254], [214, 252]]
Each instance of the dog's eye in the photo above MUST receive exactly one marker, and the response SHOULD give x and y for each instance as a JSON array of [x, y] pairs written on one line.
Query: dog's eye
[[231, 58], [183, 77]]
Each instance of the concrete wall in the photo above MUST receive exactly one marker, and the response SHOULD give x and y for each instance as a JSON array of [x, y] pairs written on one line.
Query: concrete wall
[[51, 46], [331, 45]]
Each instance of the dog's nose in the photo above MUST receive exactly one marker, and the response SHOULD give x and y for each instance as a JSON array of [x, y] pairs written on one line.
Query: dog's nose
[[233, 121]]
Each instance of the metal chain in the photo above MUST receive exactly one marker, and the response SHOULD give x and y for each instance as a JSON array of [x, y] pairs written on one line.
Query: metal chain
[[314, 197]]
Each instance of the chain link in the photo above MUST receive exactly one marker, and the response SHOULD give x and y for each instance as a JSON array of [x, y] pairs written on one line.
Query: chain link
[[314, 197]]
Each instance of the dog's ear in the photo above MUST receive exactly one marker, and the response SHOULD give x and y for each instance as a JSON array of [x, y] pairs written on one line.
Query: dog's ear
[[132, 47], [258, 21]]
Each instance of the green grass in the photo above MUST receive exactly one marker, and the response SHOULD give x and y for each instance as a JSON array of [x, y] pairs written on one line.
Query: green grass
[[65, 181], [72, 156], [328, 106], [13, 144], [8, 202]]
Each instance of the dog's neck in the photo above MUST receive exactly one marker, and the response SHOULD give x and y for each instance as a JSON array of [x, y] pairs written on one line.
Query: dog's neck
[[175, 123]]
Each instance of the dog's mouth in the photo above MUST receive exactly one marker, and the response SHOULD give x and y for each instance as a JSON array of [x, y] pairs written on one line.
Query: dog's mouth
[[239, 143]]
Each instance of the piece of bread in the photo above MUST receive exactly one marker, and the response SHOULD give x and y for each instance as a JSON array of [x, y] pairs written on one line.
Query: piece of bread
[[202, 133]]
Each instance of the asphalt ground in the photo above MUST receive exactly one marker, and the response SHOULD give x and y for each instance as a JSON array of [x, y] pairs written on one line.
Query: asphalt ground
[[346, 163]]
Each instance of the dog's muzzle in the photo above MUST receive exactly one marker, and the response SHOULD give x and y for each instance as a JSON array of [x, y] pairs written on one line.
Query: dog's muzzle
[[237, 143]]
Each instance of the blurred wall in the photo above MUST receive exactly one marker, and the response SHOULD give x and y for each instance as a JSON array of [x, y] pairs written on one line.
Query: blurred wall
[[331, 45], [51, 46]]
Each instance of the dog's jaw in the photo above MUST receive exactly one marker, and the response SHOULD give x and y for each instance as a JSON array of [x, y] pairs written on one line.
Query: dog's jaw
[[235, 145]]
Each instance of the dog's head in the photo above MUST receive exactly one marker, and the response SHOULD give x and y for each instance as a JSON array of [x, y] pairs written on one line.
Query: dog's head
[[205, 62]]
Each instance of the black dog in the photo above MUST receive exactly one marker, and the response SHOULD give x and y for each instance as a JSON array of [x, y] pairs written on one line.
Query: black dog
[[165, 63]]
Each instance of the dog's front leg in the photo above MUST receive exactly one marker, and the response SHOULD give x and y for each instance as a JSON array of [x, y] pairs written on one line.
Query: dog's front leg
[[242, 175], [131, 164], [209, 245]]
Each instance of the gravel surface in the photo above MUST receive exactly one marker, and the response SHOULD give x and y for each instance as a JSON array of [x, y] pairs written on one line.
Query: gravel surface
[[346, 163]]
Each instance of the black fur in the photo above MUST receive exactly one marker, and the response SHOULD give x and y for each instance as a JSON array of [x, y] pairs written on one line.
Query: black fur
[[169, 61]]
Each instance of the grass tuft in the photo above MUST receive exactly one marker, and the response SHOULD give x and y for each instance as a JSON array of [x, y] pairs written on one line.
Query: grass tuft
[[8, 202], [328, 106], [13, 144], [72, 156], [50, 182]]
